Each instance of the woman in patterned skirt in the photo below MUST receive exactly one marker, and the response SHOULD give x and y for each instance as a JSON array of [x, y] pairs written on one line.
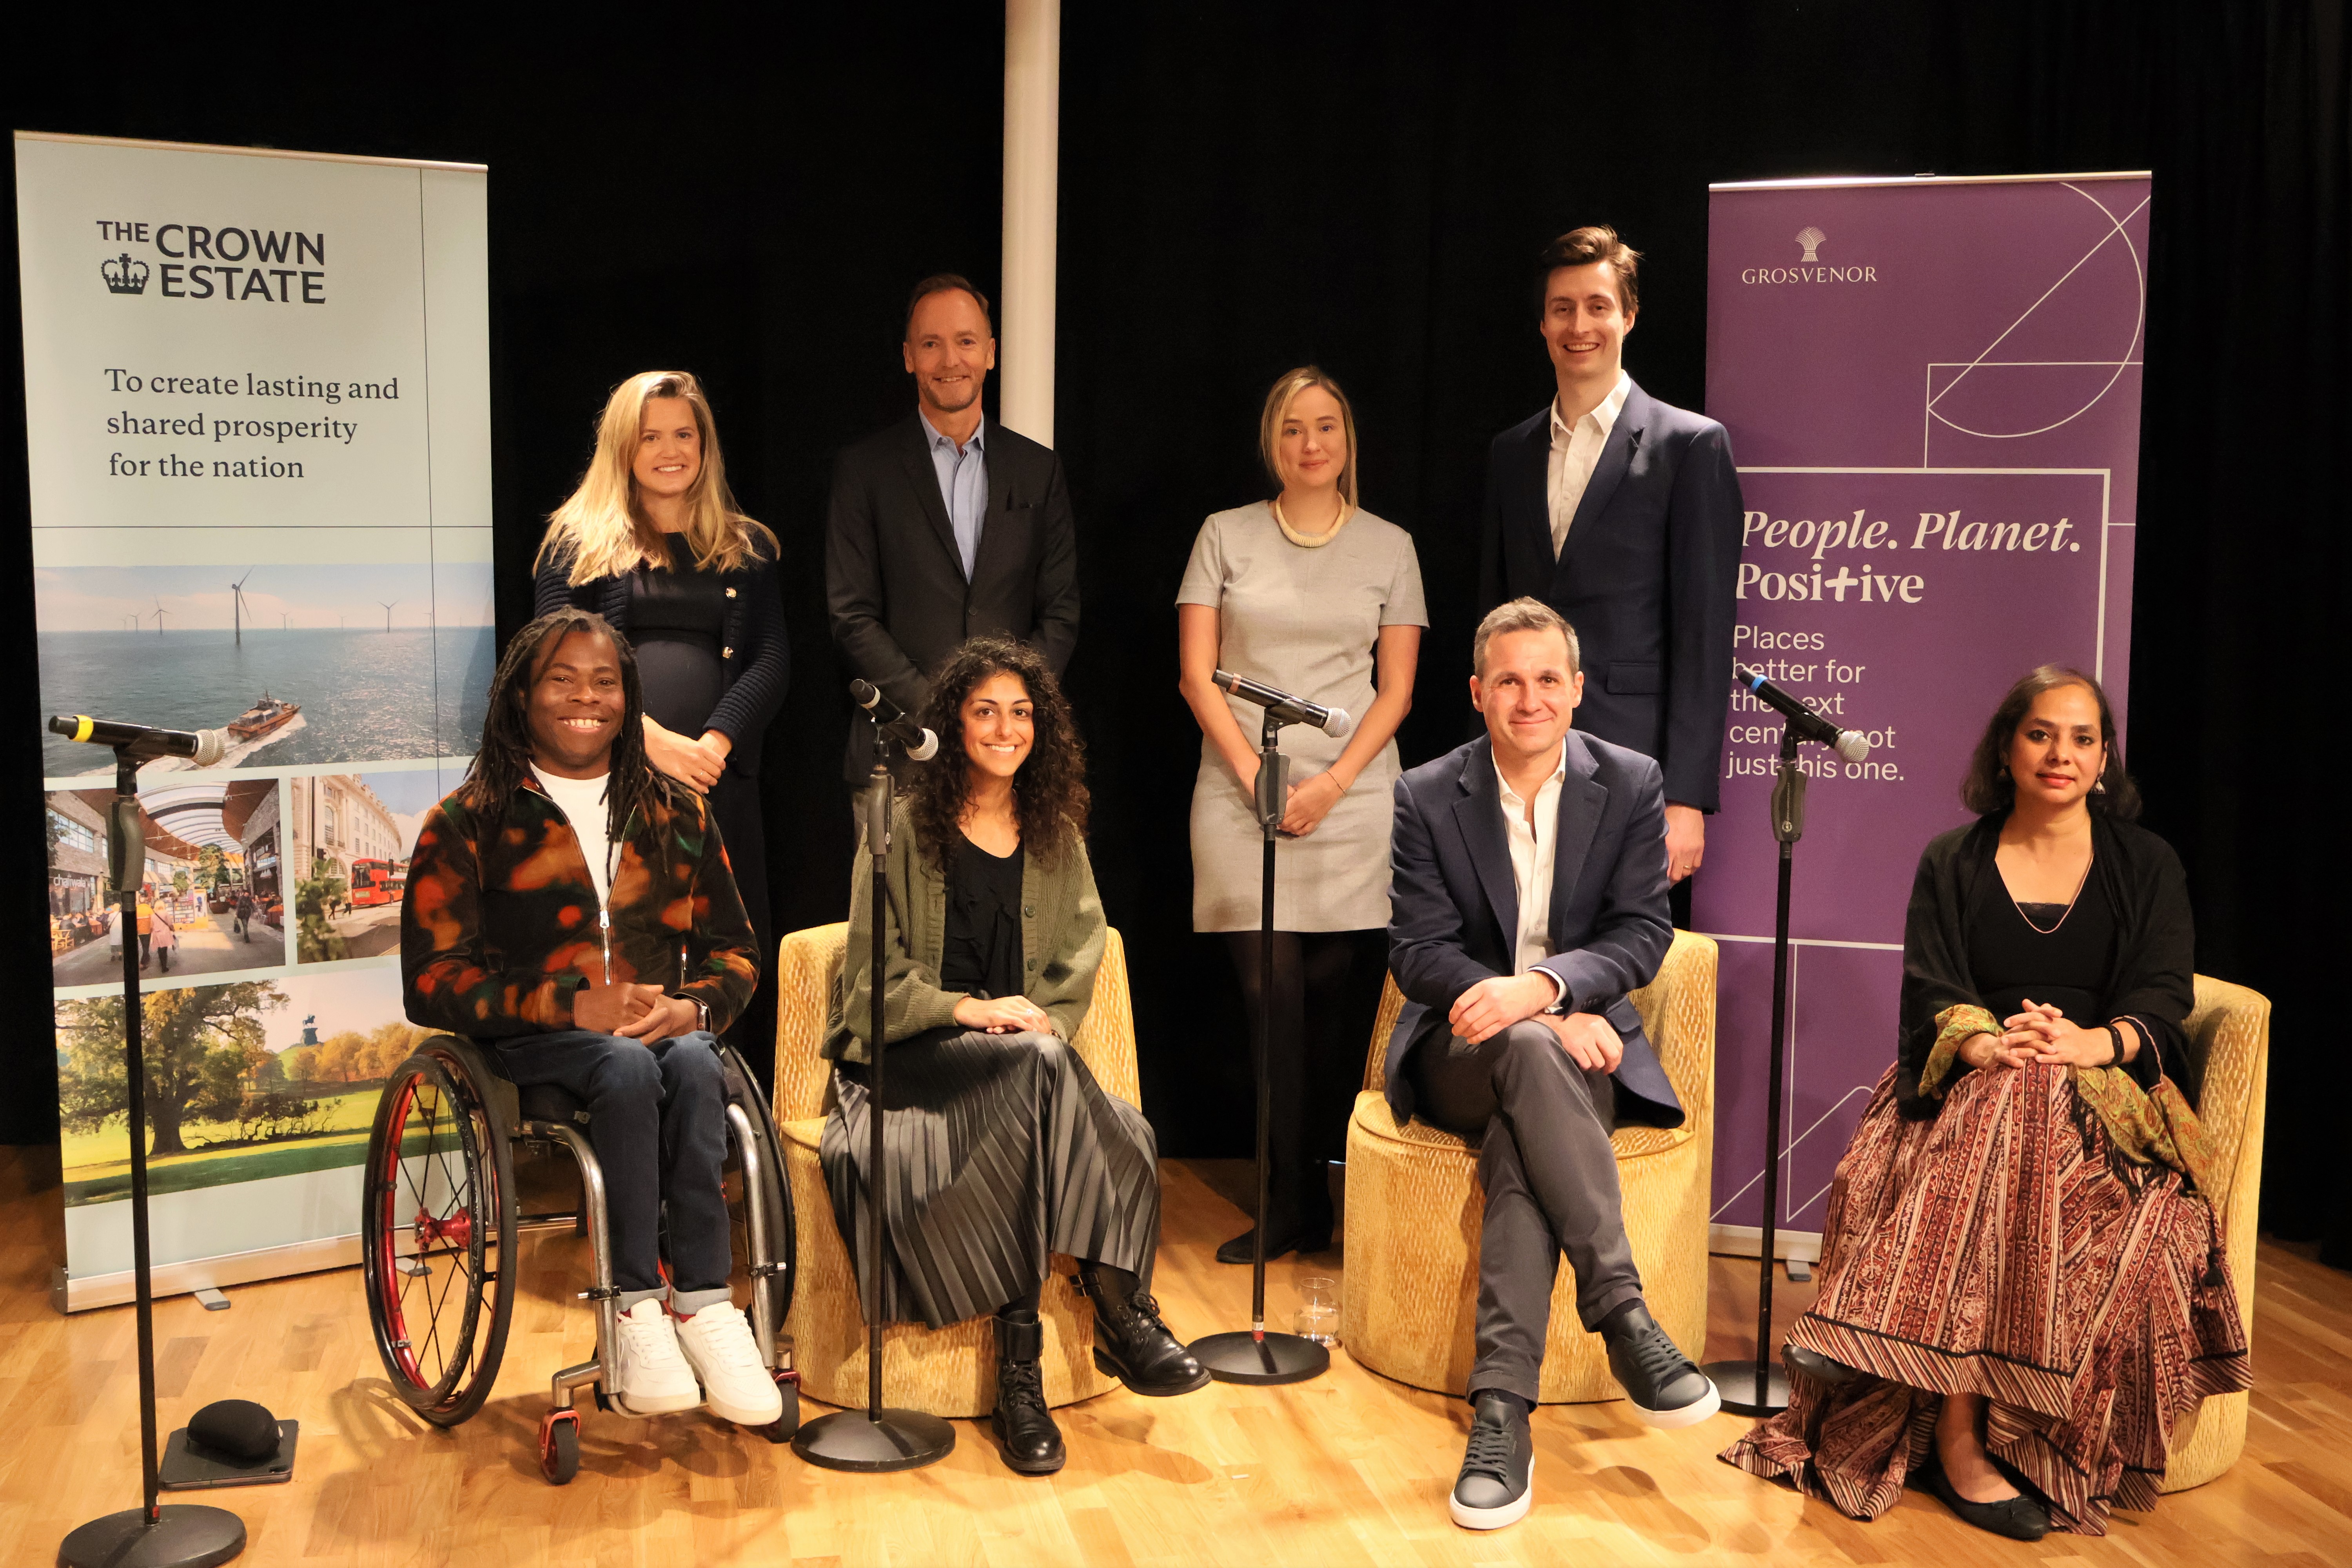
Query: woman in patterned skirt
[[2022, 1286]]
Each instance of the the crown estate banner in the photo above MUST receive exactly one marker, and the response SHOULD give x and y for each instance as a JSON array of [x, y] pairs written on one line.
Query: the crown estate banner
[[257, 403], [1932, 387]]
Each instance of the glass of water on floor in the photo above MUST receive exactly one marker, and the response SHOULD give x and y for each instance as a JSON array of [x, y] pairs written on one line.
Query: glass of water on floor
[[1317, 1317]]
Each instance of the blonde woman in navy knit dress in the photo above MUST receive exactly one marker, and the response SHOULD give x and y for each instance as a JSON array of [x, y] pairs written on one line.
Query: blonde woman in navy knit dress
[[652, 541]]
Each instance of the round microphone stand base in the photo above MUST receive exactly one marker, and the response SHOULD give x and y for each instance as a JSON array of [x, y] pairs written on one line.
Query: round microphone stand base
[[874, 1441], [1734, 1381], [186, 1535], [1241, 1357]]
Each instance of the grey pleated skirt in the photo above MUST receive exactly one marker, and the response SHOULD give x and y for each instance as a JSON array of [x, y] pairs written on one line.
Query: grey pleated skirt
[[999, 1152]]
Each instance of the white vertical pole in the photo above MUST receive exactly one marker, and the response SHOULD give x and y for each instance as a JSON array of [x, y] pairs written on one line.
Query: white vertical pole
[[1033, 123]]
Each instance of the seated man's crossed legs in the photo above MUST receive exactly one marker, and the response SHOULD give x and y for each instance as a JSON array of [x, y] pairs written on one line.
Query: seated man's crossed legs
[[1543, 1122], [658, 1120]]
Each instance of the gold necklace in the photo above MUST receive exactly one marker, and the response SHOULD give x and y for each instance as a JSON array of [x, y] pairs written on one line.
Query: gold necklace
[[1311, 541]]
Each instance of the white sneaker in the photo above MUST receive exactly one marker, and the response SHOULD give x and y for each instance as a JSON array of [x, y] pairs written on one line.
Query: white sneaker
[[717, 1341], [648, 1374]]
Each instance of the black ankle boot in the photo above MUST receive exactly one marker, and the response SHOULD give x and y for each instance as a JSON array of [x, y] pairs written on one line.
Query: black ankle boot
[[1130, 1341], [1032, 1443]]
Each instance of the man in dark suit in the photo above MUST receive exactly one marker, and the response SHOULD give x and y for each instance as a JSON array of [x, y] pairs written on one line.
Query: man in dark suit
[[1528, 898], [1623, 513], [947, 524]]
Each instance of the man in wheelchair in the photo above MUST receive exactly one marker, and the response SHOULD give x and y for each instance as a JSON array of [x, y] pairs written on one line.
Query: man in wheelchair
[[573, 910]]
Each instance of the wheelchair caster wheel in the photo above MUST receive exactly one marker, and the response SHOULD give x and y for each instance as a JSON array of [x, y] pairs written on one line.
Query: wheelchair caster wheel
[[787, 1427], [559, 1445]]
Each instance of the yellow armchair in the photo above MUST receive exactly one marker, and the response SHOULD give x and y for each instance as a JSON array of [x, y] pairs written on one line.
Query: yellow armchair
[[2229, 1047], [1415, 1212], [952, 1372]]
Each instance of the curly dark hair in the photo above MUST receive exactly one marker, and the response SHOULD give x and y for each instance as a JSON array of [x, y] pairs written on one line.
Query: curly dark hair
[[1987, 790], [504, 759], [1049, 793]]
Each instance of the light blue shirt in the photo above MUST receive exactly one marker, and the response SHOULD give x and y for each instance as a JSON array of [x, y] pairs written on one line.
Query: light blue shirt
[[963, 485]]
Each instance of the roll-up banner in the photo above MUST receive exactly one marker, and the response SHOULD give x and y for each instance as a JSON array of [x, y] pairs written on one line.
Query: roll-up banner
[[256, 391], [1932, 388]]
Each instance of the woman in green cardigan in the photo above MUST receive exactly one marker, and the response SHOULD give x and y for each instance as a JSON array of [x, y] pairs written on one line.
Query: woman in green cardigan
[[999, 1148]]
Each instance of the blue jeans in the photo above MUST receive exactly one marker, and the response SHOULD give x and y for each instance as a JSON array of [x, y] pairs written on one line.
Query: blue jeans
[[658, 1120]]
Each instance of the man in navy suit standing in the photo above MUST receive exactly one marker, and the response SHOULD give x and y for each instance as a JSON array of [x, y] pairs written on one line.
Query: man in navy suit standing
[[1528, 897], [1622, 513]]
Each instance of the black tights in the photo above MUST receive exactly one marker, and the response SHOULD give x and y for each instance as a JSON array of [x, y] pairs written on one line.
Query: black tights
[[1326, 991]]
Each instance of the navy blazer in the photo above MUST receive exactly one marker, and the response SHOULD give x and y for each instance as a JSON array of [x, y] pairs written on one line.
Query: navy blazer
[[1453, 905], [1647, 578], [755, 655], [895, 586]]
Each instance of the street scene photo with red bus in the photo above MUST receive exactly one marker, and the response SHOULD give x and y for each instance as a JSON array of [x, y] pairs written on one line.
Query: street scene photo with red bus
[[351, 835]]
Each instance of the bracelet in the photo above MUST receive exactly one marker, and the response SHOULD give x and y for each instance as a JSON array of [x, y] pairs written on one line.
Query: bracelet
[[2115, 1036]]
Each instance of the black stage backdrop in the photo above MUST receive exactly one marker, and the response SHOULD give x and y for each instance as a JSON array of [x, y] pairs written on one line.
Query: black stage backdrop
[[1248, 187]]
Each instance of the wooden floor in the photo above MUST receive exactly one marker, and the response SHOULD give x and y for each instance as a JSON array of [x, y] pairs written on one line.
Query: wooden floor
[[1349, 1468]]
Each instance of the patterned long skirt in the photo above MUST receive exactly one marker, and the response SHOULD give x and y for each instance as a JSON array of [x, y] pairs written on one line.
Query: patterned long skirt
[[999, 1151], [2006, 1249]]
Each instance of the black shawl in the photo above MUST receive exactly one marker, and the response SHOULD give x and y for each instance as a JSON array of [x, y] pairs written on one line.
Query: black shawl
[[2152, 980]]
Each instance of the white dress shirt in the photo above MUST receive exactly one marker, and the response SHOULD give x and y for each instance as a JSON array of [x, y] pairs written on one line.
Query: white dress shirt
[[1533, 850], [1575, 452]]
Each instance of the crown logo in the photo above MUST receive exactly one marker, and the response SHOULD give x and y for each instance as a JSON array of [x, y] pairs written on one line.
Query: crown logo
[[1811, 238], [124, 275]]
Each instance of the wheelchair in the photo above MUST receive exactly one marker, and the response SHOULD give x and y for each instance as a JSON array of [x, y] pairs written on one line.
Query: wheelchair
[[440, 1216]]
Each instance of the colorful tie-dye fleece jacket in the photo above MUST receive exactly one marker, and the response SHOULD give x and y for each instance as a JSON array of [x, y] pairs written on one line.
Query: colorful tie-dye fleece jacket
[[499, 929]]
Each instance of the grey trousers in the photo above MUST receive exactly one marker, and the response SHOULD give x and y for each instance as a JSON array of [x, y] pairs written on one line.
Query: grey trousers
[[1542, 1124]]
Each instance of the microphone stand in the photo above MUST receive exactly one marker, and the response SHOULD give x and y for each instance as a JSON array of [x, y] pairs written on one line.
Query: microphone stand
[[875, 1439], [1256, 1356], [184, 1535], [1759, 1387]]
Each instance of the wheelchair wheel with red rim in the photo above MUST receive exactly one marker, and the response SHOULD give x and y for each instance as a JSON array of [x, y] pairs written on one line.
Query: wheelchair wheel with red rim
[[438, 1211]]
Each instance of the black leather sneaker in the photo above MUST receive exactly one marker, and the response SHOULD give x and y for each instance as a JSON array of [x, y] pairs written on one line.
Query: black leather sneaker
[[1498, 1471], [1665, 1389]]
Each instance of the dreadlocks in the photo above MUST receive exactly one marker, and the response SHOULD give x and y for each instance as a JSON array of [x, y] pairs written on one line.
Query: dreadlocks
[[504, 760]]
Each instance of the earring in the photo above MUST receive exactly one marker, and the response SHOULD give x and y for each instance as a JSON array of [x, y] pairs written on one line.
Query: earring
[[2100, 787]]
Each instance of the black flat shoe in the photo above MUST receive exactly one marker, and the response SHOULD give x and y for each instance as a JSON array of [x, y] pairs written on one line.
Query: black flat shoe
[[1131, 1344], [2020, 1518], [1817, 1366], [1024, 1429], [1297, 1239]]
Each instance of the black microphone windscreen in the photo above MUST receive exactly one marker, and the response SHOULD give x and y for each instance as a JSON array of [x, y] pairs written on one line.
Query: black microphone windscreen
[[237, 1428]]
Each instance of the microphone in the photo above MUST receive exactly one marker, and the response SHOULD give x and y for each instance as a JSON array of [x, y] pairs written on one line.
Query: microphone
[[1851, 745], [205, 746], [920, 744], [1283, 706]]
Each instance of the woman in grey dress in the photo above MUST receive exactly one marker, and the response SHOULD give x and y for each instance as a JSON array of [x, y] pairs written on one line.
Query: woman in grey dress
[[1312, 594]]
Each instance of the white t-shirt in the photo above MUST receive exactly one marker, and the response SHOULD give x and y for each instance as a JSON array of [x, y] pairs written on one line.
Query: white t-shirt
[[582, 801]]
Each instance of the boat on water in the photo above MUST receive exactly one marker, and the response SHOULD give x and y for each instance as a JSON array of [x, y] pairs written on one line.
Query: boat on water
[[263, 717]]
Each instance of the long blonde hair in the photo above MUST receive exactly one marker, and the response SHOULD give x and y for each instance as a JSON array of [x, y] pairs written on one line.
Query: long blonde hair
[[1278, 407], [602, 532]]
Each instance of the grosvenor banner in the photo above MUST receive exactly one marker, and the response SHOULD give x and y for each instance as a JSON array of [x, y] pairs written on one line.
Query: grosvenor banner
[[258, 402], [1932, 388]]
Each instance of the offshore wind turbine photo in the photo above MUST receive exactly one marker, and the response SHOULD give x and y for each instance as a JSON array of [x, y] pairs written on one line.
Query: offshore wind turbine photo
[[336, 688]]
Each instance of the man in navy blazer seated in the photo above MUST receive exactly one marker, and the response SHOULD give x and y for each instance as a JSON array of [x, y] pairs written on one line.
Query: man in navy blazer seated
[[1623, 513], [1528, 898]]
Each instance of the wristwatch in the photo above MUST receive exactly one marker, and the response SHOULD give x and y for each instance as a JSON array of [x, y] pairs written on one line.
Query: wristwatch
[[701, 1008]]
